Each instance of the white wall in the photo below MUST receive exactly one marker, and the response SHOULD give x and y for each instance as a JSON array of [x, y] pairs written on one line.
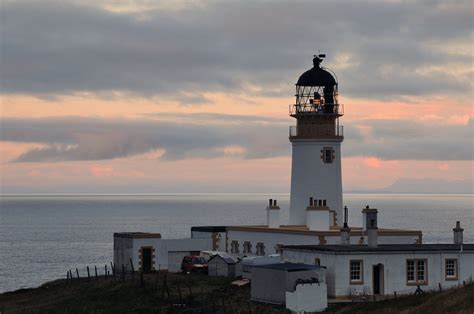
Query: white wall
[[221, 236], [307, 298], [311, 177], [337, 272]]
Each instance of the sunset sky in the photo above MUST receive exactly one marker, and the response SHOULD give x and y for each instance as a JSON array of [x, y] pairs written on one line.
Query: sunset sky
[[145, 96]]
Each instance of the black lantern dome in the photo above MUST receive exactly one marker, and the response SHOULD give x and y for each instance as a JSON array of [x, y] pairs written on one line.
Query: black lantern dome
[[316, 76]]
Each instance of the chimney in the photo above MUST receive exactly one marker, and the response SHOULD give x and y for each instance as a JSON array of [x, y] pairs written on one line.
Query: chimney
[[458, 236], [370, 224], [273, 214], [345, 230], [317, 215]]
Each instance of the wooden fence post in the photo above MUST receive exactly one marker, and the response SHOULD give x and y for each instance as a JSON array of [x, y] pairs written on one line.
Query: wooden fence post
[[88, 274], [96, 277], [123, 272], [77, 272], [105, 270], [112, 266], [179, 293]]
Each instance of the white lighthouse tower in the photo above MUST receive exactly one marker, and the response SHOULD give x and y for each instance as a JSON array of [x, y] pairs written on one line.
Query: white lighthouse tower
[[316, 145]]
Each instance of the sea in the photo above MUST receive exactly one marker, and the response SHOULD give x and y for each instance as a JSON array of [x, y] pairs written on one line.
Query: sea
[[43, 236]]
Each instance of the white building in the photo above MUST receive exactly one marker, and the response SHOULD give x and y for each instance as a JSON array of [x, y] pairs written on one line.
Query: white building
[[386, 269], [264, 240]]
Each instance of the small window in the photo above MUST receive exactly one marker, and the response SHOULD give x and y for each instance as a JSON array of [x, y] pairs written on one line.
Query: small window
[[260, 249], [327, 155], [317, 261], [247, 247], [451, 269], [356, 271], [417, 272], [234, 247]]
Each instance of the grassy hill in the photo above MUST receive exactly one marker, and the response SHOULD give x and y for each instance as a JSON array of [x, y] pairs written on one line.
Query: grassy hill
[[195, 293]]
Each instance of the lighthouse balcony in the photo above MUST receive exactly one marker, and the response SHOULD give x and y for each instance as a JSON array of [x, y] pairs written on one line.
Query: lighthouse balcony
[[329, 131], [316, 109]]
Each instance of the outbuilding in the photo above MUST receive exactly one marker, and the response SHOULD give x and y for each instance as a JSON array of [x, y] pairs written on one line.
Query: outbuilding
[[224, 265], [271, 282]]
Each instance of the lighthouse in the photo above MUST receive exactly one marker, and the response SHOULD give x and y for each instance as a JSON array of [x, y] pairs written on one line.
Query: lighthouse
[[316, 145]]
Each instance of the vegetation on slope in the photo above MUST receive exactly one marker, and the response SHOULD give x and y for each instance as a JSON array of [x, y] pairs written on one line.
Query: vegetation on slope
[[197, 293]]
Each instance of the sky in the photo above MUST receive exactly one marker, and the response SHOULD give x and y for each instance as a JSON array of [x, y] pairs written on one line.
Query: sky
[[121, 96]]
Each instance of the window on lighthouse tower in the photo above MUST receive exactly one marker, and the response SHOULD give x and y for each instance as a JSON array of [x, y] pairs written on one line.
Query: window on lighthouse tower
[[327, 155]]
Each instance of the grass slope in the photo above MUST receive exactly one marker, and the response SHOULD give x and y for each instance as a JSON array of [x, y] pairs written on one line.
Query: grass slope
[[200, 294]]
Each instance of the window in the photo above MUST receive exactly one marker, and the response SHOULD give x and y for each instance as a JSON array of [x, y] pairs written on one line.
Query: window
[[260, 249], [234, 247], [356, 271], [327, 155], [372, 222], [451, 269], [410, 270], [417, 272], [317, 261], [247, 247]]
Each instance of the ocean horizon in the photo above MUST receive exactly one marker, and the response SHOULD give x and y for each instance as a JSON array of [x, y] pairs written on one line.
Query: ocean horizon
[[44, 235]]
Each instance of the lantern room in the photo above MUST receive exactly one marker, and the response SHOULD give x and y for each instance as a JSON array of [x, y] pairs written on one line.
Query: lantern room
[[317, 109], [316, 91]]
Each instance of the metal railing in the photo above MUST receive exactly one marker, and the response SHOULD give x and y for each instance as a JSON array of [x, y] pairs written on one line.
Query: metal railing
[[316, 131], [316, 109]]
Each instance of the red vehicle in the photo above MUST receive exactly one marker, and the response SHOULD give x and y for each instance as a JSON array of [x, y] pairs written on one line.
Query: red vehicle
[[194, 264]]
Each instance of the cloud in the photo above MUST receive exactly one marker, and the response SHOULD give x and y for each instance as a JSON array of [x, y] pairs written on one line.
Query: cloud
[[407, 139], [205, 135], [395, 48]]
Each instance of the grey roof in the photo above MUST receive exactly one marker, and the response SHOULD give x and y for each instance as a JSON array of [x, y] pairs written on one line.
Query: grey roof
[[289, 267], [383, 248], [137, 235], [228, 259], [209, 228]]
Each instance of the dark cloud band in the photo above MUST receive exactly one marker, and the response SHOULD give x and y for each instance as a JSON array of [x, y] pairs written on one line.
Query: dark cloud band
[[61, 47], [75, 138]]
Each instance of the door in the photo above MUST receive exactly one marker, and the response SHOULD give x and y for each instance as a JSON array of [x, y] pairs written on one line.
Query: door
[[378, 280], [146, 260]]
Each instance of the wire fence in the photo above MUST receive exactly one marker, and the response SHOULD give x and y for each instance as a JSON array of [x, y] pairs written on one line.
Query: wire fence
[[177, 293]]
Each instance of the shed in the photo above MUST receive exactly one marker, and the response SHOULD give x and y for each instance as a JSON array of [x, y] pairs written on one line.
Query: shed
[[271, 282], [250, 261], [224, 265]]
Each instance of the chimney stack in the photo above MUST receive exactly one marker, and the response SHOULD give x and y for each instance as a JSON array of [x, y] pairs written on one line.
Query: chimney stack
[[273, 214], [370, 224], [458, 233], [345, 230], [317, 215]]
